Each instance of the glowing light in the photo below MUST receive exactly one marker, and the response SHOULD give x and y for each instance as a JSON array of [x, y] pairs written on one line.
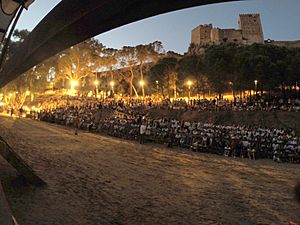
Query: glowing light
[[189, 83], [142, 83], [96, 82], [112, 83], [255, 82], [156, 82], [74, 83]]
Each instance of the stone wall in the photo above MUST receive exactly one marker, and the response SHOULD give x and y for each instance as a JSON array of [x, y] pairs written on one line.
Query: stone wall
[[251, 27], [201, 34], [287, 44]]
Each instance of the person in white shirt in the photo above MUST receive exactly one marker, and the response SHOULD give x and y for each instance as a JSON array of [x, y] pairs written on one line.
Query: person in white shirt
[[143, 129]]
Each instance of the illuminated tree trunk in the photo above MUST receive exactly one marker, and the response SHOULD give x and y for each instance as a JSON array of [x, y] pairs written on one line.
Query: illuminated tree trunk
[[142, 78], [131, 80]]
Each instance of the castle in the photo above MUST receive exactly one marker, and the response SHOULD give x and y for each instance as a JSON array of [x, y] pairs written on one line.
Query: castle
[[250, 31]]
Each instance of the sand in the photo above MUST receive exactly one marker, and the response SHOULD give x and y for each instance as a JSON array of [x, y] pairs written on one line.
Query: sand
[[93, 179]]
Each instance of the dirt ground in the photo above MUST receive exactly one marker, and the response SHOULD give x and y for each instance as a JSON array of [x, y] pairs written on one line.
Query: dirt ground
[[96, 180]]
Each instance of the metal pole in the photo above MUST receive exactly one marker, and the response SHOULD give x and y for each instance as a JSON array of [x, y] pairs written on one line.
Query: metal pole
[[20, 10]]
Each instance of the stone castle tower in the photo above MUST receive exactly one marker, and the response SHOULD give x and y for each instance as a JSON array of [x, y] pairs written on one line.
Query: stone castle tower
[[251, 28], [250, 31], [202, 33]]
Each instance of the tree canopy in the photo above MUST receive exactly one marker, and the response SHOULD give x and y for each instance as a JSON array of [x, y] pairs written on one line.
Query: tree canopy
[[219, 68]]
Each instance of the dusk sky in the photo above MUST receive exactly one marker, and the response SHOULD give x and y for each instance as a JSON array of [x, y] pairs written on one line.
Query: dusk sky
[[280, 19]]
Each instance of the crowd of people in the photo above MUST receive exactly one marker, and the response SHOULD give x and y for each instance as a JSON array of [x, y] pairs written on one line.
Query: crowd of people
[[129, 120], [261, 104]]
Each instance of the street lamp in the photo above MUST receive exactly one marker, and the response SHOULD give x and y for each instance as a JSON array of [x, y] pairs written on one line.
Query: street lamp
[[142, 83], [255, 83], [96, 83], [231, 86], [156, 86], [112, 84], [189, 83], [74, 83]]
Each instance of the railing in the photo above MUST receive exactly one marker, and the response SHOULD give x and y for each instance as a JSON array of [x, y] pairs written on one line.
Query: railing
[[6, 217], [19, 164]]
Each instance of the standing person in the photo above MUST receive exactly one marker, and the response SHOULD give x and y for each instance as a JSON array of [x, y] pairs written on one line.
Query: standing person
[[77, 123], [20, 112], [234, 144], [11, 112], [139, 120], [143, 128]]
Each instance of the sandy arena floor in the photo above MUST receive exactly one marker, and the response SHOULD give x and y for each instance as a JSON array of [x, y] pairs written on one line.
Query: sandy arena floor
[[99, 180]]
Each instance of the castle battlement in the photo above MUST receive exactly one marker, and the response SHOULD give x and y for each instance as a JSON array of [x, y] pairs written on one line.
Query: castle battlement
[[206, 25], [250, 14]]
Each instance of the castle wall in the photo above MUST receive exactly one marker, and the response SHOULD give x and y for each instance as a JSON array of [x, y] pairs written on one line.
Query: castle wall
[[216, 36], [196, 36], [219, 36], [231, 36], [287, 44], [201, 34], [251, 27]]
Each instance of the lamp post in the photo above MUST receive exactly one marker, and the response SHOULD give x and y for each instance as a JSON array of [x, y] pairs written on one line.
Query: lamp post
[[112, 84], [157, 87], [255, 83], [142, 83], [74, 83], [96, 83], [189, 83], [231, 86]]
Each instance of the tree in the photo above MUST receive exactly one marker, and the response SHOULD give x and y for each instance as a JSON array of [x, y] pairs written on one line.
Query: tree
[[27, 84], [19, 36], [33, 80], [191, 67], [127, 57], [165, 73], [147, 54], [219, 66], [79, 61]]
